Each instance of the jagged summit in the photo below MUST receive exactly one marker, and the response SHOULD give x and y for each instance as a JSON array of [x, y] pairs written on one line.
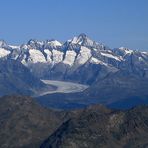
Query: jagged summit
[[82, 39], [77, 51], [122, 51], [83, 35], [3, 43], [31, 41], [54, 42]]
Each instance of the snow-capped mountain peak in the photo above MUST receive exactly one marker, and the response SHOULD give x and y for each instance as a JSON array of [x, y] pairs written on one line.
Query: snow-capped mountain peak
[[35, 44], [126, 50], [54, 43], [82, 39], [122, 51]]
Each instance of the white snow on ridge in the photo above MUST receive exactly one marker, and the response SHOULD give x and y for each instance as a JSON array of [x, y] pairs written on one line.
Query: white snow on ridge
[[49, 54], [24, 47], [23, 60], [89, 42], [95, 61], [36, 56], [74, 40], [126, 50], [14, 47], [110, 56], [140, 59], [84, 55], [79, 40], [57, 56], [55, 43], [40, 43], [94, 49], [145, 53], [70, 57], [4, 52]]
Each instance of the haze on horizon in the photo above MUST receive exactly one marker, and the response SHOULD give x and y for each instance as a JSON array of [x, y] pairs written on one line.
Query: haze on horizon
[[113, 22]]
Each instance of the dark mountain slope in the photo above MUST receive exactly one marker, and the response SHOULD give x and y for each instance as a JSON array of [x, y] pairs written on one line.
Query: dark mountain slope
[[99, 127], [15, 78], [121, 90], [24, 123]]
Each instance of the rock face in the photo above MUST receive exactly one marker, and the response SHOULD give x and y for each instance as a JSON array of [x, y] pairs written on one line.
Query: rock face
[[100, 127], [120, 90], [24, 123], [15, 78]]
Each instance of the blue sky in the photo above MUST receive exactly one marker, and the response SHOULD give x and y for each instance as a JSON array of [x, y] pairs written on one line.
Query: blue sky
[[113, 22]]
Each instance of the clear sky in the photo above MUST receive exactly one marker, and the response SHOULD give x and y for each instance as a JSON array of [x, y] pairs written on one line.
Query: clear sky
[[113, 22]]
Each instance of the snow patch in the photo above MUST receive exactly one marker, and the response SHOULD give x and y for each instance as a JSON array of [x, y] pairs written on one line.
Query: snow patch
[[145, 52], [55, 43], [40, 43], [14, 47], [140, 59], [36, 56], [49, 54], [126, 50], [110, 56], [74, 40], [70, 57], [57, 56], [94, 49], [4, 52], [84, 55], [23, 60], [95, 61]]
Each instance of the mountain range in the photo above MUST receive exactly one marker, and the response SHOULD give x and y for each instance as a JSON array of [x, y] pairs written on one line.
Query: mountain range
[[69, 60], [117, 77]]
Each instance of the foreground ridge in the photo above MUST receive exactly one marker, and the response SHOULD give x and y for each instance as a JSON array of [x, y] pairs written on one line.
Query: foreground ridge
[[24, 123]]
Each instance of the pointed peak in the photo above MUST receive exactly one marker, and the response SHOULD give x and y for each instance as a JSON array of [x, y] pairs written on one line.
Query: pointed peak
[[50, 40], [35, 43], [31, 41], [81, 39], [3, 43], [84, 40], [125, 49], [83, 35], [122, 51]]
